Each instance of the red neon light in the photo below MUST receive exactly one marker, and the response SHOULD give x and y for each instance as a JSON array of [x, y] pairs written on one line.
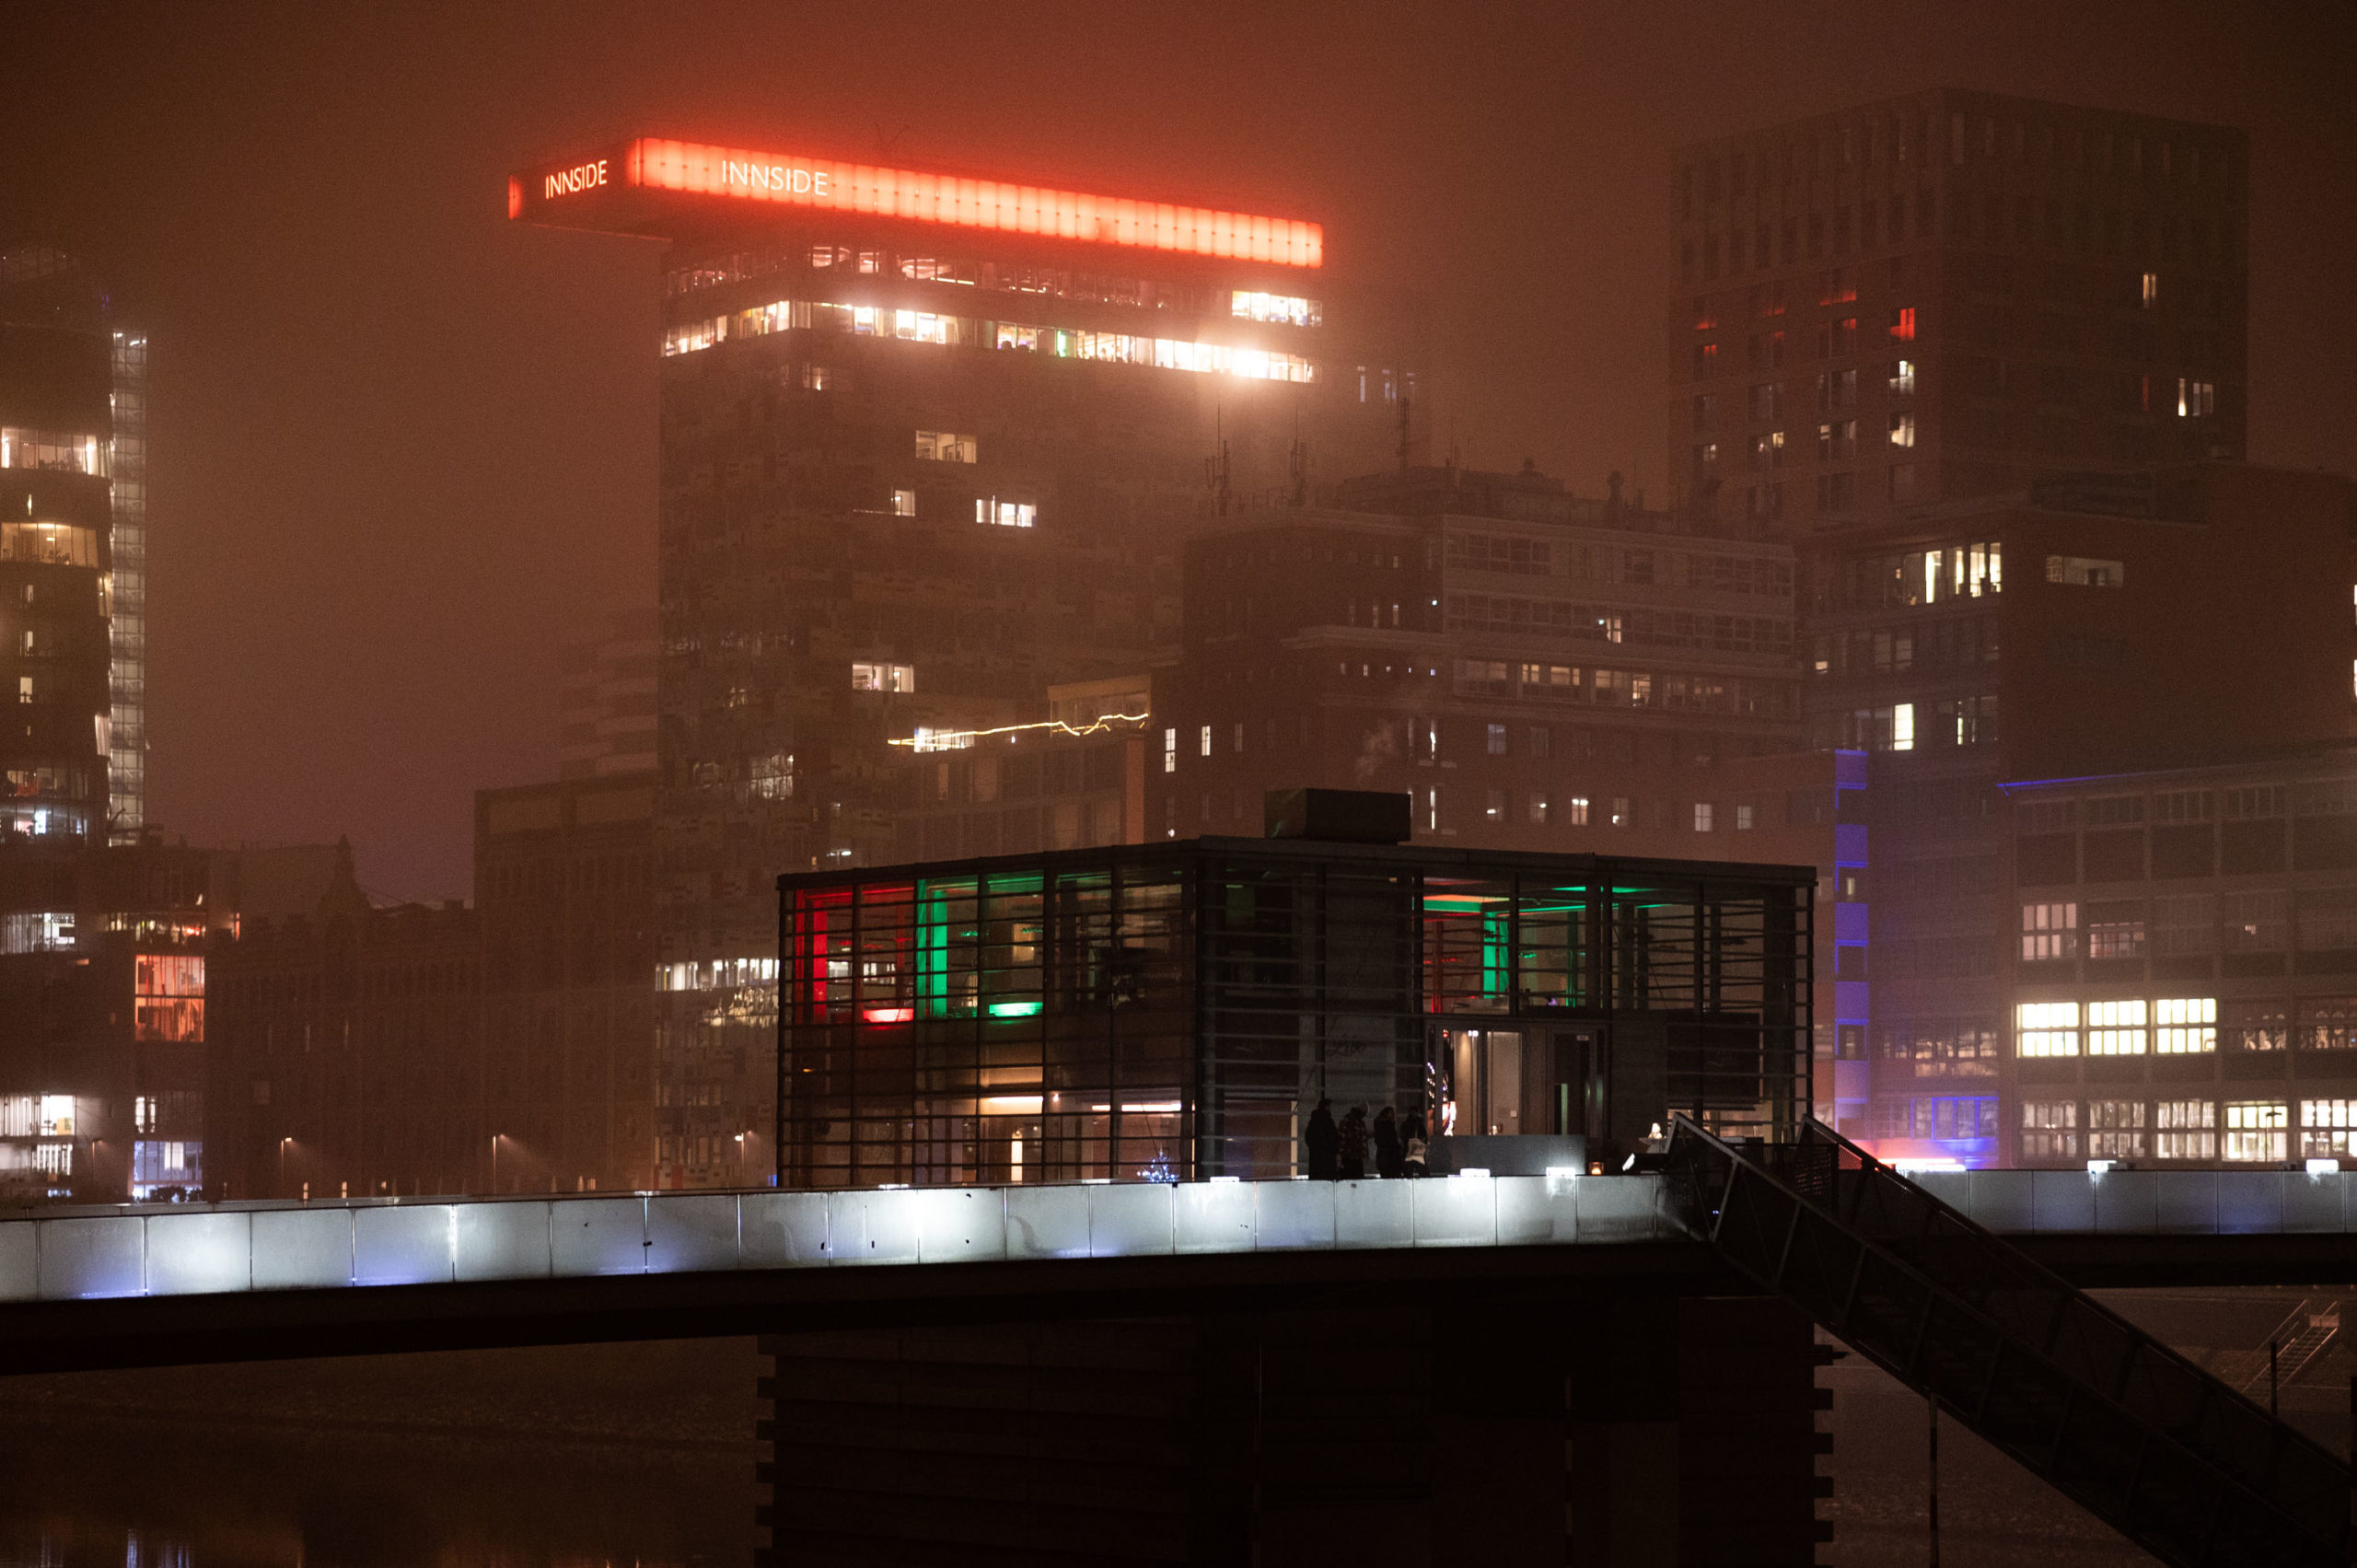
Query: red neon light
[[888, 1015], [748, 175]]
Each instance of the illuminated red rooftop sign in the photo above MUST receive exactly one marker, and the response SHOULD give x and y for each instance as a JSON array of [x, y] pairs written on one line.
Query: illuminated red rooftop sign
[[559, 194]]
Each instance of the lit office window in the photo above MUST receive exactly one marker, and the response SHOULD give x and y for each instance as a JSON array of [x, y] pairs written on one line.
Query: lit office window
[[946, 447], [1004, 513], [1253, 306], [2050, 1130], [1170, 751], [2185, 1026], [2116, 1028], [2325, 1127], [904, 503], [1575, 811], [1702, 816], [2116, 1129], [2187, 1129], [2049, 931], [2046, 1029], [2257, 1130], [883, 678]]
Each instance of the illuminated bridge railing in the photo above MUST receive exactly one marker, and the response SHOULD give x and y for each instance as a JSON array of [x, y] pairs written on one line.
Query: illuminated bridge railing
[[2150, 1202], [181, 1250]]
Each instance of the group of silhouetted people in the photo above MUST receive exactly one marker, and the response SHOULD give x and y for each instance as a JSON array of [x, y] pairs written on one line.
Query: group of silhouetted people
[[1339, 1152]]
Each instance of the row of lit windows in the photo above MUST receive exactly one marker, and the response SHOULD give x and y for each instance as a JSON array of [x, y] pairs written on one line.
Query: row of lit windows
[[2131, 1027], [1436, 808], [1910, 726], [24, 449], [918, 326], [2240, 1131]]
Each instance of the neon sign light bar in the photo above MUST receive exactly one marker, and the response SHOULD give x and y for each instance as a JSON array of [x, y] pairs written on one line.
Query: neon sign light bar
[[748, 175]]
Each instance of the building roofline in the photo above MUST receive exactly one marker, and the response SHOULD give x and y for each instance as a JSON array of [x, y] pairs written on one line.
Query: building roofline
[[1409, 855]]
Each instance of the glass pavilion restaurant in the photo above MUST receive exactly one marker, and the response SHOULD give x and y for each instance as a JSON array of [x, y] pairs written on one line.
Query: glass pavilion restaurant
[[1174, 1011]]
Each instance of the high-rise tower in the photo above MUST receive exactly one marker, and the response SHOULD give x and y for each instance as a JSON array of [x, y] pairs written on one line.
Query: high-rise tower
[[1934, 298], [929, 444]]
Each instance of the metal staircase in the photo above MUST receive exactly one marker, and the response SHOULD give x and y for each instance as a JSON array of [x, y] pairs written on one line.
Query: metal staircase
[[2170, 1457], [2298, 1341]]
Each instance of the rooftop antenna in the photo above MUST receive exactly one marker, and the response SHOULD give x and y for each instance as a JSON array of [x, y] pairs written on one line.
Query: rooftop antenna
[[1300, 461], [1215, 472]]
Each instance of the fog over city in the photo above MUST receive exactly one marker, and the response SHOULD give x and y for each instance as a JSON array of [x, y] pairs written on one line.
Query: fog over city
[[1222, 785]]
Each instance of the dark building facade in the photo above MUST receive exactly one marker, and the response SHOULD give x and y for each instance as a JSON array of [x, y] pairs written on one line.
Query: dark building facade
[[1937, 296], [359, 1050], [928, 446], [1174, 1011], [565, 887]]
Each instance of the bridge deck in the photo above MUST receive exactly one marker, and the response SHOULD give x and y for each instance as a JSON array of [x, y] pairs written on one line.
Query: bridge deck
[[186, 1250], [211, 1249]]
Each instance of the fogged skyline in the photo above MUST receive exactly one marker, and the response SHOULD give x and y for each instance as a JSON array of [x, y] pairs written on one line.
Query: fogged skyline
[[403, 452]]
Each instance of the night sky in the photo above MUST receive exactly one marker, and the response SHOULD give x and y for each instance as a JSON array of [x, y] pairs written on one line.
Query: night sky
[[403, 452]]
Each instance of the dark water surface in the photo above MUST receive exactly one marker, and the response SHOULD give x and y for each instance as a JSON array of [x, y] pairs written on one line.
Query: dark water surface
[[610, 1456], [614, 1455]]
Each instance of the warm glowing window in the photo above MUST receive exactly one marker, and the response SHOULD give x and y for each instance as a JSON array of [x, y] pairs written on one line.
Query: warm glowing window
[[2151, 295], [2257, 1130], [2049, 931], [2196, 400], [1702, 816], [1902, 378], [1204, 741], [2116, 1028], [2187, 1129], [942, 446], [1251, 307], [2185, 1026], [1902, 324], [1902, 430], [2325, 1127], [49, 544], [1169, 751], [2050, 1130], [1575, 811], [2046, 1029], [22, 448], [904, 503], [167, 1003], [2116, 1129], [883, 678], [1004, 513]]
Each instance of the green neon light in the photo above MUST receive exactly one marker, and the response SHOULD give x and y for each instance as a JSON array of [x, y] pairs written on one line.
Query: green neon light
[[1493, 954], [933, 951], [1014, 1009]]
